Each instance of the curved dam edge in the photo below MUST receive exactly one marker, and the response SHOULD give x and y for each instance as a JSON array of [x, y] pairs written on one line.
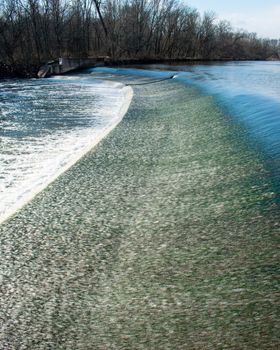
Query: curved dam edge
[[163, 237], [128, 95]]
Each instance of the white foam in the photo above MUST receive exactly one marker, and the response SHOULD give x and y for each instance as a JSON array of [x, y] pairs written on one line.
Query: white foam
[[56, 153]]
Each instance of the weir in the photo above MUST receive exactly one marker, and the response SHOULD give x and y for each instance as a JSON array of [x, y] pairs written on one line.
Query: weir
[[187, 261], [67, 64]]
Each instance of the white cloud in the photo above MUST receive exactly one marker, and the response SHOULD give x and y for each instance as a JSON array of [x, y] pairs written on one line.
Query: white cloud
[[265, 24]]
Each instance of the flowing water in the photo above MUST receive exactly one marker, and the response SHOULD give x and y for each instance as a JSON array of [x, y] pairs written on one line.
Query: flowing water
[[166, 235], [46, 126], [249, 91]]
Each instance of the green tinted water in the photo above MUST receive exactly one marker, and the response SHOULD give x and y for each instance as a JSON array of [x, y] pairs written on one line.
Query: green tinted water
[[163, 237]]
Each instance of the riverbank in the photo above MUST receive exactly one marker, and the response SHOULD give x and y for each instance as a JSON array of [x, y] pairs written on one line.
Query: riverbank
[[31, 70], [18, 70], [162, 237]]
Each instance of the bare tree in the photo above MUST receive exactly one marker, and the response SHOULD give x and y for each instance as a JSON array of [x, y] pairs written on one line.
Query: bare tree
[[39, 30]]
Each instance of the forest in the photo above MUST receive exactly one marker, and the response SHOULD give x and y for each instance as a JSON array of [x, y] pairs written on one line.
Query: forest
[[35, 31]]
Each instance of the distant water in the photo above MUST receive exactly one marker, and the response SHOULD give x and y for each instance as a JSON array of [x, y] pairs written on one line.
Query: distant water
[[249, 92], [46, 125]]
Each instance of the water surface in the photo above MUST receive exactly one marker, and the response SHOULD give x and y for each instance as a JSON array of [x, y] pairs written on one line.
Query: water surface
[[250, 91], [165, 236], [46, 125]]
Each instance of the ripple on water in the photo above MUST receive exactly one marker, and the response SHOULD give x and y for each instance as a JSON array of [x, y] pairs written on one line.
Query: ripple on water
[[164, 237]]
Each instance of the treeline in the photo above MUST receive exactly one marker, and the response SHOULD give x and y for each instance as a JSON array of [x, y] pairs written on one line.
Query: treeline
[[34, 31]]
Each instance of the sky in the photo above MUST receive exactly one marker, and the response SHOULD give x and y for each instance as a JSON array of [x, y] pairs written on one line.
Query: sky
[[259, 16]]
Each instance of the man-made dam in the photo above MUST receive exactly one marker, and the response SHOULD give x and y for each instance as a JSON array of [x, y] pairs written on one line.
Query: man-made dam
[[66, 64]]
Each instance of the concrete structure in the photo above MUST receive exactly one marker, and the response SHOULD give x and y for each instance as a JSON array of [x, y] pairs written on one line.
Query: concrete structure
[[67, 64]]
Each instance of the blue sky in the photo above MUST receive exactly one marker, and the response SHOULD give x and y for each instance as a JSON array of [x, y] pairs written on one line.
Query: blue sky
[[260, 16]]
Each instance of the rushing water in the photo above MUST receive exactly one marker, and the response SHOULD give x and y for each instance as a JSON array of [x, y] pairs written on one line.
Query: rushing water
[[249, 90], [46, 125], [164, 237]]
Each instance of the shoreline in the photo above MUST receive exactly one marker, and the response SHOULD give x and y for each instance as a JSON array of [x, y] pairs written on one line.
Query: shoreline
[[23, 71], [18, 71], [190, 61]]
